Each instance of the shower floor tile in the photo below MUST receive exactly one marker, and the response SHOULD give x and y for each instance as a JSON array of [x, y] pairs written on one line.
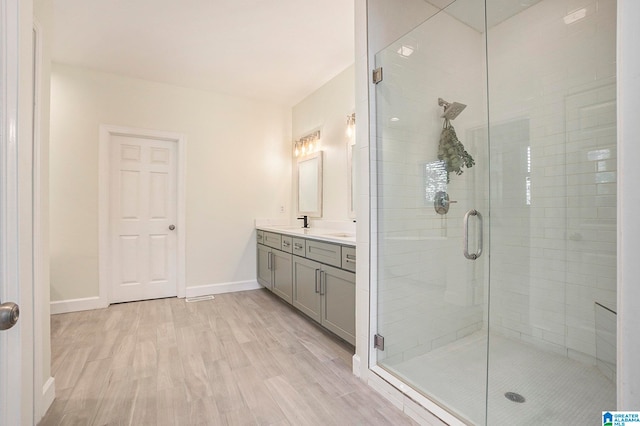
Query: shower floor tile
[[557, 390]]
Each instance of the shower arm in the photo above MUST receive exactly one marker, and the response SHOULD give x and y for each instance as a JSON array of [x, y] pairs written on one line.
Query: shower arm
[[443, 103]]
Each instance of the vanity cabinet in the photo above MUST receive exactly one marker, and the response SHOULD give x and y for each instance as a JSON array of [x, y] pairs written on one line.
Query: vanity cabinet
[[306, 287], [282, 283], [338, 291], [265, 277], [320, 282], [349, 258], [327, 295], [324, 252], [274, 271]]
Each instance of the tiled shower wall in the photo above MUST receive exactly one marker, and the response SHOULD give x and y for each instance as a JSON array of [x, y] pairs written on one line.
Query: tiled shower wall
[[552, 180]]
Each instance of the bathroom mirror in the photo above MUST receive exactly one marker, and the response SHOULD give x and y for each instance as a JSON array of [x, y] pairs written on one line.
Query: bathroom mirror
[[351, 189], [310, 185]]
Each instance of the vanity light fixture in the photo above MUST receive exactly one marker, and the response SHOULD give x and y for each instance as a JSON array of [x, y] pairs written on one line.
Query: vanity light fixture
[[351, 124], [307, 144]]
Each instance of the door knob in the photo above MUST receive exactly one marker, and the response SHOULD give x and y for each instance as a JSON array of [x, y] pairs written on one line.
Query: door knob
[[9, 314], [172, 227]]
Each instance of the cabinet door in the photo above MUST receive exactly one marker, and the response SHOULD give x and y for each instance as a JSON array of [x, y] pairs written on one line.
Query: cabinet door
[[282, 282], [338, 290], [306, 288], [264, 266]]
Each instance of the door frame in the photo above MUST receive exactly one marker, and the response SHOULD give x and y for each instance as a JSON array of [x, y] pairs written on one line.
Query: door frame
[[44, 386], [104, 246], [16, 208]]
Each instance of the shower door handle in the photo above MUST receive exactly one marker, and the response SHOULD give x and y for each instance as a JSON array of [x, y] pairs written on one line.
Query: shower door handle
[[465, 243]]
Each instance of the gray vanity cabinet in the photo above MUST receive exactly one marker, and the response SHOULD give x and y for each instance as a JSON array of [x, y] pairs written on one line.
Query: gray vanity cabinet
[[264, 266], [338, 290], [282, 284], [274, 271], [326, 295], [306, 292], [314, 276]]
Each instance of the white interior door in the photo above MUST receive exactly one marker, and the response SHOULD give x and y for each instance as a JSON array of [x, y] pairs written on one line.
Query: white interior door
[[143, 210]]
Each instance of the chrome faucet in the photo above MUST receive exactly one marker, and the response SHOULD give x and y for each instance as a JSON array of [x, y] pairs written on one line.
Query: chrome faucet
[[305, 221]]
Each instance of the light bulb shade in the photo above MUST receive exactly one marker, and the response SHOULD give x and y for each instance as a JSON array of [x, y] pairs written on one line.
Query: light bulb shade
[[351, 124]]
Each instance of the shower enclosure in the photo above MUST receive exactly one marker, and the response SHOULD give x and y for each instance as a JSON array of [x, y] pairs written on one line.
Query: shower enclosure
[[495, 288]]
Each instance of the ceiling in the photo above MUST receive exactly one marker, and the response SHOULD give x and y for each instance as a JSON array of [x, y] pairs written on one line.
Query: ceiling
[[272, 50], [472, 12]]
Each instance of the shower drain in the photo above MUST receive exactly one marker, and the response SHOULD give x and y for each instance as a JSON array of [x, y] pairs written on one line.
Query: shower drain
[[515, 397]]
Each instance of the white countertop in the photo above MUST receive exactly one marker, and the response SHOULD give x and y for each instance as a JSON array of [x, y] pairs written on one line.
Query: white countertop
[[320, 234]]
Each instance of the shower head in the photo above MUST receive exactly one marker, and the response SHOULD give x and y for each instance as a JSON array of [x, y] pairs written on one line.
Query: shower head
[[451, 110]]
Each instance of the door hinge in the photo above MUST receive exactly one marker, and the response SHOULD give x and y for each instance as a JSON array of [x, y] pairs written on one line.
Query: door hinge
[[378, 342], [377, 75]]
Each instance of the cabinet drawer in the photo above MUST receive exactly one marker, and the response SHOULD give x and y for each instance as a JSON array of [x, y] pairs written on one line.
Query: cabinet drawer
[[299, 247], [260, 236], [349, 258], [287, 244], [273, 240], [324, 252]]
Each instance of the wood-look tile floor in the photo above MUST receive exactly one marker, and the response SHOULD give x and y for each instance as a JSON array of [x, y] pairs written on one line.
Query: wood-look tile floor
[[241, 359]]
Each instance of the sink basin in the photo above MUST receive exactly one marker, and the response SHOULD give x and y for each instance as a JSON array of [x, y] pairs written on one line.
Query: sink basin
[[341, 235]]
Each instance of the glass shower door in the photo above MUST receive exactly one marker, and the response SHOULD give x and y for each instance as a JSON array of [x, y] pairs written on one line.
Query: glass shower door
[[432, 183]]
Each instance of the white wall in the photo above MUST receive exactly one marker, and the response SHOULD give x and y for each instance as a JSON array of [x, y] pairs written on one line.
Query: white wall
[[327, 109], [238, 168]]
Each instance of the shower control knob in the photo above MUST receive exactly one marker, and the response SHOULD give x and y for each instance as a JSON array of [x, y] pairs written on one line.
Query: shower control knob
[[441, 202]]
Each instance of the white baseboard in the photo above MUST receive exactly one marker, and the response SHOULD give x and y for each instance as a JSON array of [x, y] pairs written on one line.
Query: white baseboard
[[88, 303], [48, 394], [204, 290], [75, 305]]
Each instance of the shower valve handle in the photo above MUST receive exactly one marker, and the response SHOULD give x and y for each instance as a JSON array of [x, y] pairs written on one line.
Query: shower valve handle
[[441, 202]]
